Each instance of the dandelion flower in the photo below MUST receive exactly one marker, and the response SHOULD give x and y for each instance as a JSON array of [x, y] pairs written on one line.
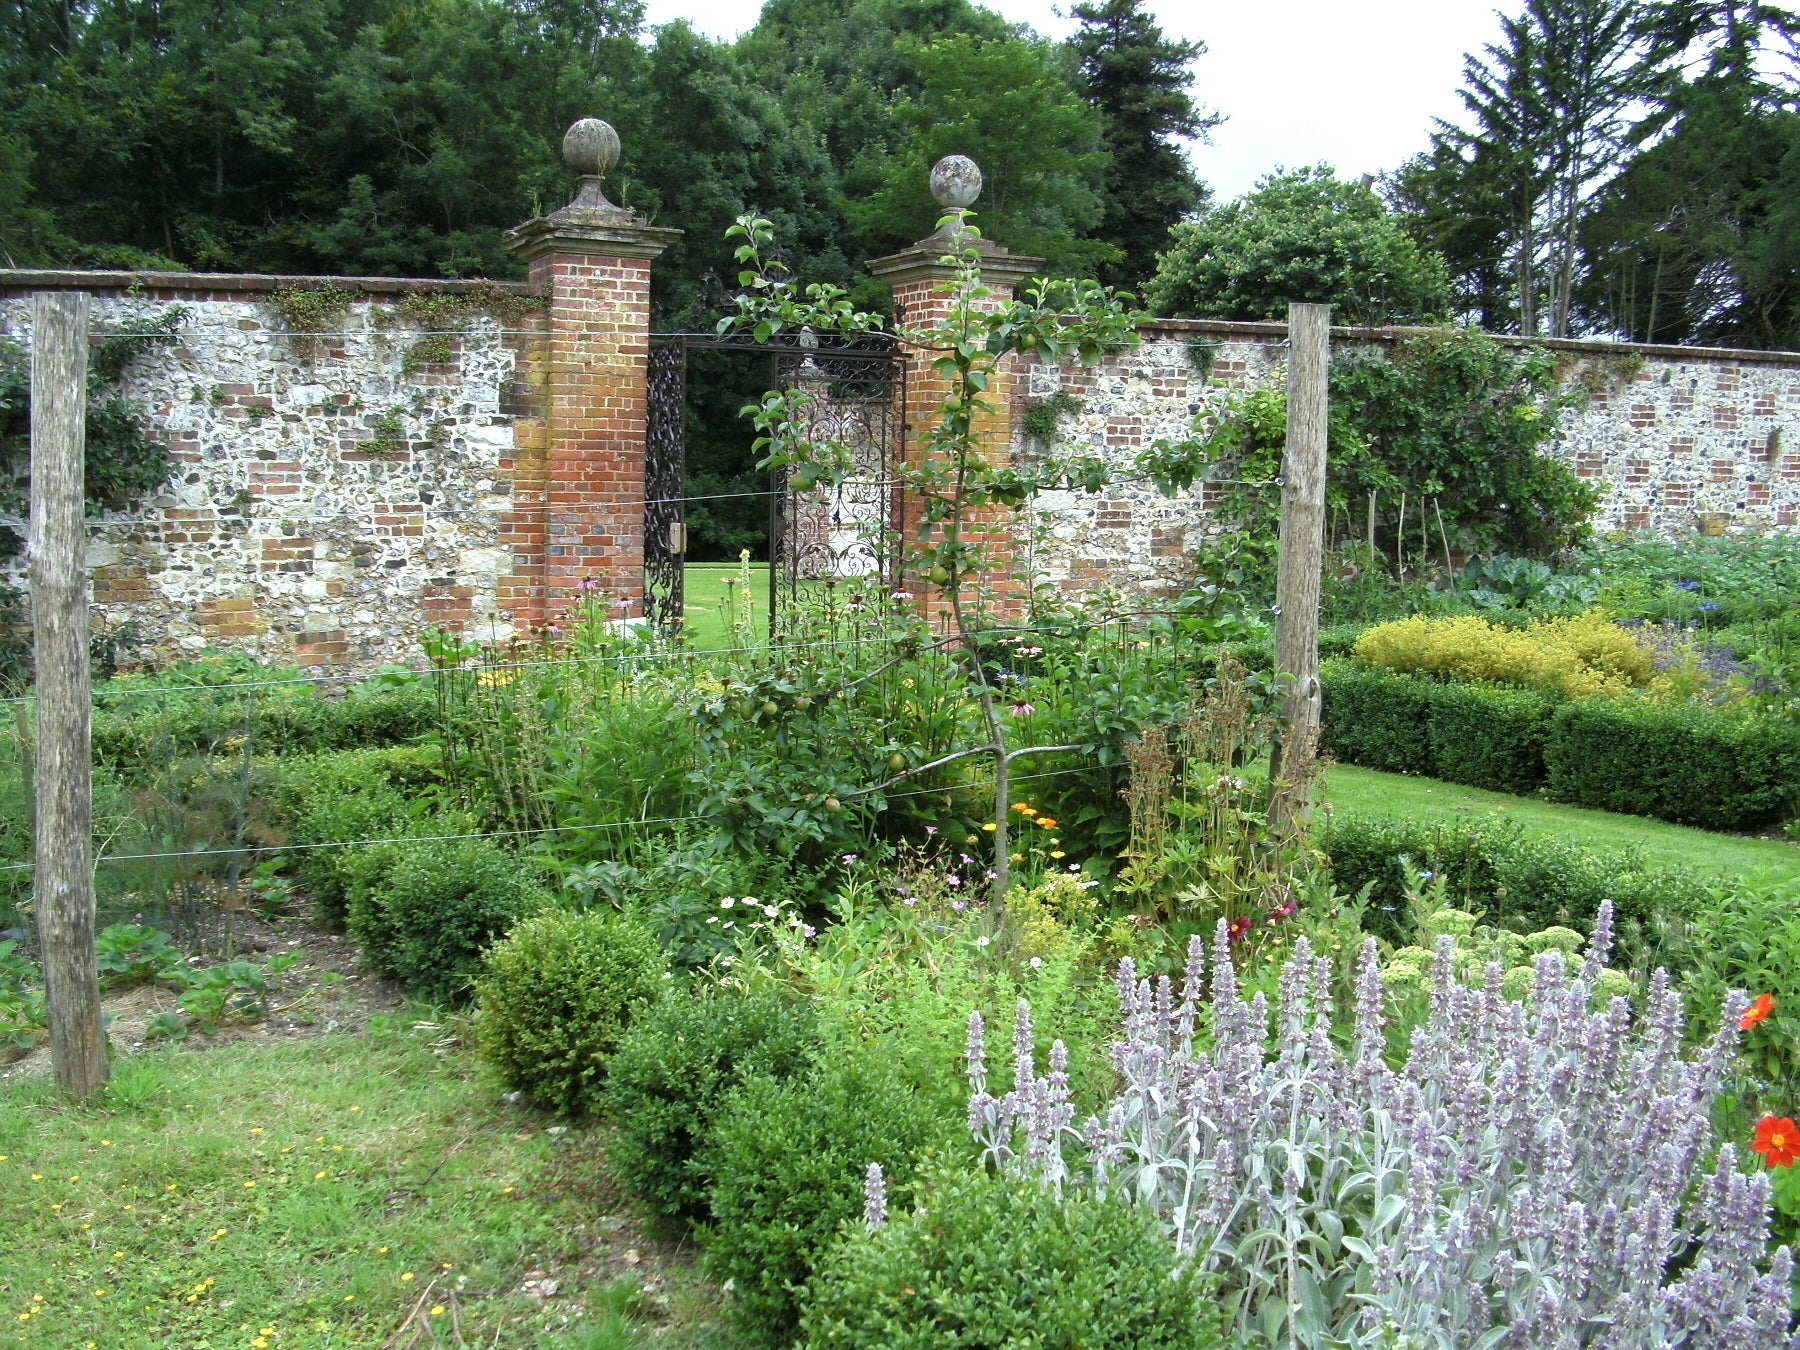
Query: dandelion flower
[[106, 1143], [320, 1176], [249, 1185], [990, 827], [349, 1298], [407, 1278], [437, 1310]]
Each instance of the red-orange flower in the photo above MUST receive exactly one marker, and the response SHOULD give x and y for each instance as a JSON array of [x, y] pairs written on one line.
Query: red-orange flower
[[1778, 1140], [1758, 1011]]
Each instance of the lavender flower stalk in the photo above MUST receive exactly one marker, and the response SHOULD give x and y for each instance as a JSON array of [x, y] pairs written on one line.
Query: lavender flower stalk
[[1532, 1177]]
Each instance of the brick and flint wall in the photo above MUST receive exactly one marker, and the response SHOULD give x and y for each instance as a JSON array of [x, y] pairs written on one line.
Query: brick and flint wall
[[1676, 438], [333, 494]]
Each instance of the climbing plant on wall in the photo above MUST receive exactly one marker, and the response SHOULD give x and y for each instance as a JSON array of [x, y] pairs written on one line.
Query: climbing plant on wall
[[124, 461]]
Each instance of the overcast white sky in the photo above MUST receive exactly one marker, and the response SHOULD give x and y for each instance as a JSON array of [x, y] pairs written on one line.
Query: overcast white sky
[[1351, 83]]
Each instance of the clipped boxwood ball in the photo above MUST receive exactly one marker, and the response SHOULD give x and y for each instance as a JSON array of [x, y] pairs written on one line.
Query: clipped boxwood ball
[[557, 996]]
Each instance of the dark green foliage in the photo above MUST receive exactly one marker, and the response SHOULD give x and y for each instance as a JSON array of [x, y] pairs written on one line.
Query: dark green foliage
[[670, 1077], [557, 995], [1139, 80], [278, 722], [787, 1160], [121, 460], [1458, 419], [1449, 418], [1720, 769], [424, 909], [1009, 104], [1002, 1261], [1377, 718], [1301, 236], [1490, 867], [350, 795], [1490, 736]]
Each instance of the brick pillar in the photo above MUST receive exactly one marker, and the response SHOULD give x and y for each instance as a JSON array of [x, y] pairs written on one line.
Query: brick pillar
[[918, 275], [585, 516]]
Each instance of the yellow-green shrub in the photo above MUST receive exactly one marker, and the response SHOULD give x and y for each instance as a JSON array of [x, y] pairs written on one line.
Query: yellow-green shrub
[[1587, 656]]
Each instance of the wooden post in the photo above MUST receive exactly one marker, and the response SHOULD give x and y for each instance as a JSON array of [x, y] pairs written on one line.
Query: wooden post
[[1302, 560], [63, 892]]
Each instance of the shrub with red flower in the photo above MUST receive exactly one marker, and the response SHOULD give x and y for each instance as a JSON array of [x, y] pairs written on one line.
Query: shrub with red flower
[[1758, 1011], [1778, 1140]]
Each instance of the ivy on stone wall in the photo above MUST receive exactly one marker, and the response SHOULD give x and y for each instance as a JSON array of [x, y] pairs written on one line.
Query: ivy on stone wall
[[124, 462]]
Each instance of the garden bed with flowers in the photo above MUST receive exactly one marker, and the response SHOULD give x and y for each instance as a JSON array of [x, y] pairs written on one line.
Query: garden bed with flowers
[[732, 918]]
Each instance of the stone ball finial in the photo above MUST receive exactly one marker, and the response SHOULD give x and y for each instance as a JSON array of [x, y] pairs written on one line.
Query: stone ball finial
[[956, 182], [591, 147]]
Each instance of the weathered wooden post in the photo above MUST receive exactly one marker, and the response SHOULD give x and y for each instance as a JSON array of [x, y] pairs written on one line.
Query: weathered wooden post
[[1302, 560], [63, 891]]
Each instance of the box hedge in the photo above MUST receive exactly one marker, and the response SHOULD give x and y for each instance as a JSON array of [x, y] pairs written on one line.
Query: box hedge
[[276, 724], [1490, 736], [1377, 719], [1492, 868], [1718, 768]]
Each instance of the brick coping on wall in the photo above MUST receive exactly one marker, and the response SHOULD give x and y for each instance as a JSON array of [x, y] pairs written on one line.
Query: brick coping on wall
[[1236, 328], [226, 285]]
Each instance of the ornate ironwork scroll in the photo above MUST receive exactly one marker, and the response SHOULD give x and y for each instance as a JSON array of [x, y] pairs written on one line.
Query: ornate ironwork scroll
[[665, 481], [840, 531]]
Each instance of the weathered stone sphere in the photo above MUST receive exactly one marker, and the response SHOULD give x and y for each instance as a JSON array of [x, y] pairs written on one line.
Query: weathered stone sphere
[[956, 182], [591, 147]]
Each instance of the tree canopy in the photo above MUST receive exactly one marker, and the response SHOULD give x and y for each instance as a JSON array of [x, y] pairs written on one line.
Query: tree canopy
[[406, 136], [1626, 168], [1304, 236]]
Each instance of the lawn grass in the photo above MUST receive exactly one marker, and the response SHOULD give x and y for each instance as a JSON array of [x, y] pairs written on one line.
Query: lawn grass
[[308, 1195], [1368, 792], [708, 601]]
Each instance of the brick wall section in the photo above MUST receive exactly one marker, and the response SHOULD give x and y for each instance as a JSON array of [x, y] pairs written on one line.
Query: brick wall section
[[326, 506], [1672, 436], [1005, 587], [593, 485]]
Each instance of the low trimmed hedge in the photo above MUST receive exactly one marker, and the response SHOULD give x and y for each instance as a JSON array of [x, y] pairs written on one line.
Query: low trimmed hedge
[[1717, 768], [1491, 868], [1712, 767], [1378, 719], [286, 724], [1489, 736]]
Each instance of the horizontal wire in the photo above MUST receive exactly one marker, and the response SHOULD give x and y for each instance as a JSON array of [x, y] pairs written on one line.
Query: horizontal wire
[[623, 658], [488, 834]]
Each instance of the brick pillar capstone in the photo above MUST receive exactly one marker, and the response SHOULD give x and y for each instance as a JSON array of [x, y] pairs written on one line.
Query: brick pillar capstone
[[579, 509], [920, 277]]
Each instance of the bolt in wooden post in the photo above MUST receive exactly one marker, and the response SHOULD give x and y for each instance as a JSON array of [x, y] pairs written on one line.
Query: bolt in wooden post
[[63, 891], [1302, 559]]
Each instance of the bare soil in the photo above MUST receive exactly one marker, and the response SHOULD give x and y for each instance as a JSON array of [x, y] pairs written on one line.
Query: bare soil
[[326, 992]]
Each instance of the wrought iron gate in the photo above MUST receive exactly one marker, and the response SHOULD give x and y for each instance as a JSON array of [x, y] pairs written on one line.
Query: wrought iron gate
[[665, 481], [823, 534]]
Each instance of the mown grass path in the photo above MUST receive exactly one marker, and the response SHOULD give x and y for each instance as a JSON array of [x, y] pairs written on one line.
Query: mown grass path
[[314, 1195], [1368, 792]]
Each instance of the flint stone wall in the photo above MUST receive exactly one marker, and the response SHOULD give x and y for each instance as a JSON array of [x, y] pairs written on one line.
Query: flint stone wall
[[333, 496], [1677, 438]]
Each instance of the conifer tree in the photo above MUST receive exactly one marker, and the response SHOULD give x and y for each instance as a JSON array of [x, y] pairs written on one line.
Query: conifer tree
[[1139, 80]]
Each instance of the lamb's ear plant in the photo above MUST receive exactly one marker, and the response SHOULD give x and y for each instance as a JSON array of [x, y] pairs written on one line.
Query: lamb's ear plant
[[957, 484], [1537, 1175]]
